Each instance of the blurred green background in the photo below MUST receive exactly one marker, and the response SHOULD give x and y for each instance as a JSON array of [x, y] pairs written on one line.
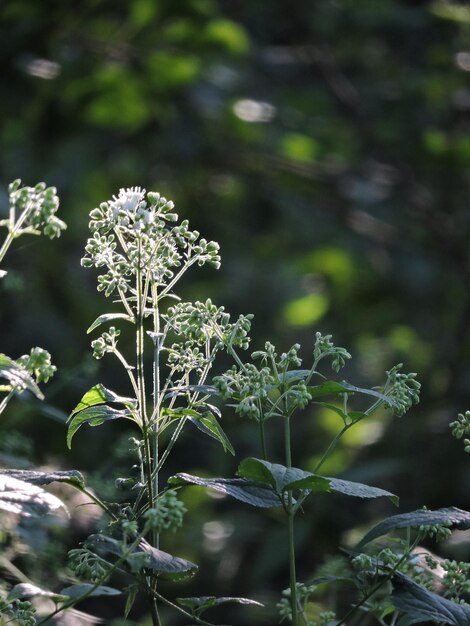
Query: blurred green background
[[326, 146]]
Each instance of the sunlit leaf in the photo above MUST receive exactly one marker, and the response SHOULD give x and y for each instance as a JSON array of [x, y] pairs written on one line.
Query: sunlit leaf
[[17, 376], [109, 317], [24, 591], [71, 477], [75, 591], [25, 499], [94, 416], [100, 395], [209, 425]]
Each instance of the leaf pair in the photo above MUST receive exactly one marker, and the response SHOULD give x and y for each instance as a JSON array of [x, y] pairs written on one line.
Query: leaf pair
[[264, 484]]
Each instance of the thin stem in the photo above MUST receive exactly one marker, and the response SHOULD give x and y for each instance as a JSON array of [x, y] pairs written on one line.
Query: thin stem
[[331, 447], [290, 527], [262, 437], [7, 399], [198, 620]]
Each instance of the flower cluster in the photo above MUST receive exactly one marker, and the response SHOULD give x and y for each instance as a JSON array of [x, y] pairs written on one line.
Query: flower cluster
[[131, 234], [87, 565], [38, 206], [200, 322], [21, 612], [461, 428], [248, 387], [185, 358], [38, 364], [168, 514], [106, 343], [324, 347], [286, 360], [402, 389]]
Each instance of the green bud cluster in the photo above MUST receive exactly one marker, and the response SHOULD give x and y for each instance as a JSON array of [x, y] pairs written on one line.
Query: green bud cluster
[[324, 347], [131, 232], [456, 579], [22, 612], [168, 514], [38, 364], [284, 605], [199, 322], [87, 565], [248, 387], [461, 428], [106, 343], [40, 204], [402, 389], [185, 358]]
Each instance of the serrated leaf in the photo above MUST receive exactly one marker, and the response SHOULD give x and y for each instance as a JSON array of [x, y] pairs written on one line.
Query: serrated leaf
[[200, 604], [24, 591], [75, 591], [25, 499], [71, 477], [209, 425], [248, 491], [420, 605], [452, 516], [146, 556], [359, 490], [100, 395], [109, 317], [94, 416], [283, 478], [17, 376]]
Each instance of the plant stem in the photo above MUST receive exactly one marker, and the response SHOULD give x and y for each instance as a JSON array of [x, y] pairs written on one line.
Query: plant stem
[[331, 447], [290, 528], [262, 437]]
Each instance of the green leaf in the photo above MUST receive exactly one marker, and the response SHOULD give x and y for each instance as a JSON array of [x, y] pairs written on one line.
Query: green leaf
[[332, 387], [94, 416], [75, 591], [71, 477], [359, 490], [100, 395], [200, 604], [420, 605], [283, 478], [17, 376], [24, 591], [109, 317], [23, 498], [280, 477], [248, 491], [146, 556], [451, 516], [210, 426]]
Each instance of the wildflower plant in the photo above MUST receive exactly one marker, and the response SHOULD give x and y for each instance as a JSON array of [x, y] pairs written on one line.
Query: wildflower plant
[[141, 251]]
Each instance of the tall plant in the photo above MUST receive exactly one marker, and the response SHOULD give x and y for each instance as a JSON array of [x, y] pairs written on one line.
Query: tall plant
[[141, 252]]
